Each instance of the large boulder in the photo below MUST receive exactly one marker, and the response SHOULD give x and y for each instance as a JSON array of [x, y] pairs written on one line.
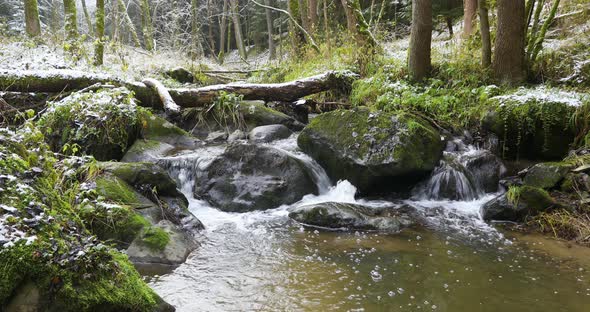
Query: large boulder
[[518, 203], [375, 151], [102, 123], [149, 215], [349, 216], [547, 175], [265, 134], [248, 177], [533, 123]]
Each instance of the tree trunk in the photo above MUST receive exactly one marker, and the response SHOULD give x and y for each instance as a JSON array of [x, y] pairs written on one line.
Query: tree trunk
[[71, 19], [67, 80], [32, 23], [326, 28], [129, 23], [197, 46], [147, 29], [99, 44], [223, 31], [210, 28], [313, 15], [508, 63], [238, 29], [167, 102], [350, 17], [87, 16], [449, 21], [469, 13], [486, 43], [269, 27], [303, 15], [293, 32], [420, 40], [54, 23]]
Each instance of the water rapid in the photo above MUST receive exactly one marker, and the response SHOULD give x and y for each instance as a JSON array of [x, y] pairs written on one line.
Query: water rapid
[[263, 261]]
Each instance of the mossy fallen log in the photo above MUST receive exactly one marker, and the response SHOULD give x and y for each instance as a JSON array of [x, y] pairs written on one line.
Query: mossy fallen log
[[67, 80]]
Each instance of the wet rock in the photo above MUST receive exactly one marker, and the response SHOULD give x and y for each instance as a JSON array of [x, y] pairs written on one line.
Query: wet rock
[[147, 151], [349, 216], [27, 298], [257, 114], [236, 136], [265, 134], [249, 177], [485, 168], [156, 128], [517, 204], [216, 137], [173, 252], [546, 175], [377, 152]]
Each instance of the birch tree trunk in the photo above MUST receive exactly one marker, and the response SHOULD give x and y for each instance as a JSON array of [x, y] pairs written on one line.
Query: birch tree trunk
[[509, 59], [32, 23], [420, 39]]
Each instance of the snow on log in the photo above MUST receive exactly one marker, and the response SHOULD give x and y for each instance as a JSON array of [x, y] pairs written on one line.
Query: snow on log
[[169, 105], [67, 80]]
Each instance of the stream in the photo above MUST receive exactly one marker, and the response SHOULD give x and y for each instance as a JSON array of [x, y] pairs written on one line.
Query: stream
[[263, 261]]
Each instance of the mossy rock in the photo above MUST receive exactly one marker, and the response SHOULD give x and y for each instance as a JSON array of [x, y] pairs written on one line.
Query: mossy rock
[[143, 174], [163, 244], [257, 114], [156, 128], [517, 204], [547, 175], [180, 74], [102, 123], [532, 124], [375, 151], [147, 151]]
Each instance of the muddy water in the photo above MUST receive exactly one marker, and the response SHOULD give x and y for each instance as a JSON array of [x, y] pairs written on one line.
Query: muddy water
[[262, 261]]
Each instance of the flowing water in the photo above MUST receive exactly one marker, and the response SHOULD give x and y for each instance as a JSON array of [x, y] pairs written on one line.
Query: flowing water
[[262, 261]]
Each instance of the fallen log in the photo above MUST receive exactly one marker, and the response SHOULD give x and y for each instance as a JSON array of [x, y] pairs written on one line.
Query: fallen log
[[170, 107], [66, 80]]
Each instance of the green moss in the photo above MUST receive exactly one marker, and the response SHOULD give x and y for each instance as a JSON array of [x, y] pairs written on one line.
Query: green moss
[[155, 238], [155, 127], [102, 123], [534, 198], [116, 190]]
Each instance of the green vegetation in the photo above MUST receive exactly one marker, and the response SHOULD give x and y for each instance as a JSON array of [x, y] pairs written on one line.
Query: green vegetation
[[102, 123], [155, 238], [58, 252]]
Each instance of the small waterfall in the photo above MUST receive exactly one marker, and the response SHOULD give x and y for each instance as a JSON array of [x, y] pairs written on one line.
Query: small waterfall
[[465, 173]]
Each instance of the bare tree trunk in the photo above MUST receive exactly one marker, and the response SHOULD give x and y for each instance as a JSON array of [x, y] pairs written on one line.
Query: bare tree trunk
[[54, 23], [71, 19], [271, 42], [350, 17], [223, 30], [32, 23], [129, 23], [313, 15], [99, 44], [197, 47], [238, 29], [146, 25], [469, 13], [449, 21], [115, 20], [420, 40], [509, 63], [326, 29], [210, 28], [87, 16], [293, 32], [486, 43], [303, 14]]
